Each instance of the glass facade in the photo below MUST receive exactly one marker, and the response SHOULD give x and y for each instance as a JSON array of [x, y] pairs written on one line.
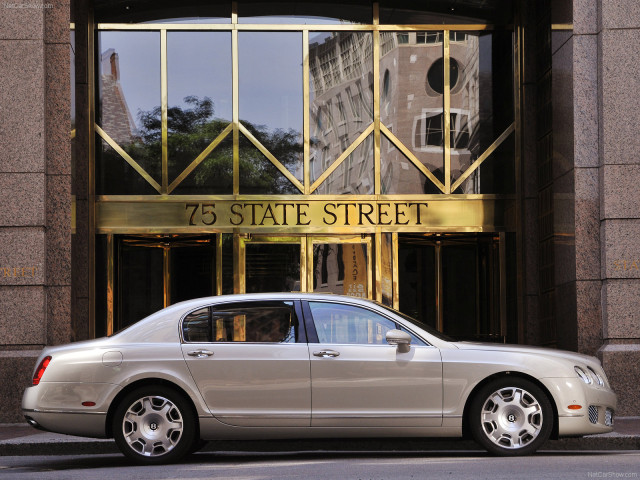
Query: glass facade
[[336, 149]]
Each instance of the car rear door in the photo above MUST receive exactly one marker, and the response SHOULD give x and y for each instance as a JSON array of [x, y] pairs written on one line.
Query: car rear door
[[359, 380], [250, 361]]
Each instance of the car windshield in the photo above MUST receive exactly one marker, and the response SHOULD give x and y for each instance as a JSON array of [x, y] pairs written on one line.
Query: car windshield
[[418, 323]]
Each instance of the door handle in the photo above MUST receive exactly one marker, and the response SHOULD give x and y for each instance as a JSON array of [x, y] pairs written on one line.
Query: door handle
[[326, 353], [200, 353]]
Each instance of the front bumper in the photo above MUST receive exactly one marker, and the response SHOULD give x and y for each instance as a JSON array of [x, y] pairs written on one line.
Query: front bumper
[[598, 405]]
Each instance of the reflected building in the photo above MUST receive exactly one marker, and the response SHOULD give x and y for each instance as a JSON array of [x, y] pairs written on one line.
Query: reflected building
[[411, 107], [115, 113]]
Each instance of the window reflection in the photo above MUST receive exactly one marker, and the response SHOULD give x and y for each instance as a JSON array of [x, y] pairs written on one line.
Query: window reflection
[[344, 324], [482, 109], [199, 109], [129, 109], [411, 109], [341, 95], [263, 322], [270, 65], [341, 268]]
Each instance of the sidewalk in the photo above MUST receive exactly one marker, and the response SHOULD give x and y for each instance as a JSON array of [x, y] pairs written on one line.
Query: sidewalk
[[22, 439]]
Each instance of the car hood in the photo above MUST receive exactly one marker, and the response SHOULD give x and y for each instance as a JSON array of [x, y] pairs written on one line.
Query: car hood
[[526, 349]]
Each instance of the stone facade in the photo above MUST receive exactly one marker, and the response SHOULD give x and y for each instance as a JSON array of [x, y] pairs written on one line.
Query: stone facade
[[35, 190]]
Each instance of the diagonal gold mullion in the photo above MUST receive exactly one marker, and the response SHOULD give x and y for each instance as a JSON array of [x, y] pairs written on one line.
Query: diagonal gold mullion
[[136, 166], [474, 166], [341, 158], [185, 173], [284, 170], [407, 153]]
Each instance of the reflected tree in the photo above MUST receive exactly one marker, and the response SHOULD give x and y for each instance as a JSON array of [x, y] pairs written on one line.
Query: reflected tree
[[191, 129]]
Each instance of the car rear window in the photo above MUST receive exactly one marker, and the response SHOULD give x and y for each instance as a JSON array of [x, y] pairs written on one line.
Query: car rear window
[[259, 322]]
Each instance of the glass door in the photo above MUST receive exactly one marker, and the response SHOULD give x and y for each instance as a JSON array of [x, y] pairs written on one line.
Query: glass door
[[269, 263], [304, 263], [342, 265], [146, 273], [455, 283]]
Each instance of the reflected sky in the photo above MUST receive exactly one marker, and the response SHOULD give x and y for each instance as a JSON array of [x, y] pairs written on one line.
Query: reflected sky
[[270, 81], [139, 59], [270, 66], [199, 65]]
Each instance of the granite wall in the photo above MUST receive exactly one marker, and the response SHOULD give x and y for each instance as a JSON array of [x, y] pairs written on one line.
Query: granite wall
[[35, 190], [611, 35]]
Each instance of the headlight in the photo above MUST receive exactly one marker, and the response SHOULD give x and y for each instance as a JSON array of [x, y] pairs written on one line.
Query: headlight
[[598, 378], [583, 375]]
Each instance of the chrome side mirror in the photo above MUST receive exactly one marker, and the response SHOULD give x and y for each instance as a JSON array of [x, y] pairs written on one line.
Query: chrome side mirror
[[399, 338]]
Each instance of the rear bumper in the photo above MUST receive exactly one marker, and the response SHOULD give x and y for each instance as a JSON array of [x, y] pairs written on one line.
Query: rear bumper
[[57, 407], [80, 424]]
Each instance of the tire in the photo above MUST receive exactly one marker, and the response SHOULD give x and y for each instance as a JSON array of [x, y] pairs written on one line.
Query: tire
[[154, 425], [511, 416]]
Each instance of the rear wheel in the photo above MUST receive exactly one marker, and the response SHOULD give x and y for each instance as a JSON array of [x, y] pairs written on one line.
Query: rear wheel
[[154, 425], [511, 416]]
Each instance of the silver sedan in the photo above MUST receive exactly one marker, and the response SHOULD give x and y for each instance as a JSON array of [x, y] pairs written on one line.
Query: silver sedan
[[303, 366]]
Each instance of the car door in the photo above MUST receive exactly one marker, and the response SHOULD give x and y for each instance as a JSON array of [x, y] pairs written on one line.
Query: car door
[[357, 379], [250, 361]]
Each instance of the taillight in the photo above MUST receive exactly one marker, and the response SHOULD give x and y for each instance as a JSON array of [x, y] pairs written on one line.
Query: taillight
[[40, 370]]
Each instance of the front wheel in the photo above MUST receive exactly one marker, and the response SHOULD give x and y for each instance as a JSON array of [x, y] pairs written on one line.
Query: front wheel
[[511, 416], [154, 425]]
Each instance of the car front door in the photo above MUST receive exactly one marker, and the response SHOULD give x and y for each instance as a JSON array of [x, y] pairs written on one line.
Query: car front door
[[250, 361], [359, 380]]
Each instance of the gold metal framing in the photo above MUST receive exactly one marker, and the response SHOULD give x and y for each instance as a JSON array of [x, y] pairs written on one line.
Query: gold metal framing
[[342, 157], [407, 153], [447, 111], [185, 173], [395, 270], [91, 176], [136, 166], [378, 258], [373, 239], [476, 164], [164, 100], [376, 100], [284, 170], [305, 187], [193, 27], [110, 284], [306, 136]]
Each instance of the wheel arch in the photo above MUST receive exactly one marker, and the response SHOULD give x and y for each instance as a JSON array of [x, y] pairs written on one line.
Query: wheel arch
[[466, 433], [144, 383]]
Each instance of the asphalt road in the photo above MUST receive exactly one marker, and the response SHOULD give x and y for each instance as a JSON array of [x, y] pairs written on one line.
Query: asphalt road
[[333, 465]]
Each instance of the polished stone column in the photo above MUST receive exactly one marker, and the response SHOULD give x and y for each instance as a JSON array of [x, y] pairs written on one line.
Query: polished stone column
[[618, 36], [35, 195]]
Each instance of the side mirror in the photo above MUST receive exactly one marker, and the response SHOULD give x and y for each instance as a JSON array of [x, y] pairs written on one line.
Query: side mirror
[[399, 338]]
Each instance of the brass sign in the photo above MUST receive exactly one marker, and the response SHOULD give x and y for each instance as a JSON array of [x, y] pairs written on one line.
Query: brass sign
[[302, 216]]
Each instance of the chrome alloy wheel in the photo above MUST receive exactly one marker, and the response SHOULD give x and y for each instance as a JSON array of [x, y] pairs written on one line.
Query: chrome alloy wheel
[[152, 426], [511, 417]]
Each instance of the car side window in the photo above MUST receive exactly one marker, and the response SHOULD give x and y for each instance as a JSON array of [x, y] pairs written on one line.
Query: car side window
[[347, 324], [262, 322], [196, 327]]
